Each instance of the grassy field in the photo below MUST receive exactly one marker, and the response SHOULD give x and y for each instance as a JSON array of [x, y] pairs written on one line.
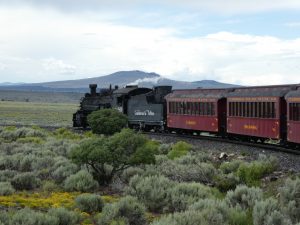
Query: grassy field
[[35, 96], [33, 113]]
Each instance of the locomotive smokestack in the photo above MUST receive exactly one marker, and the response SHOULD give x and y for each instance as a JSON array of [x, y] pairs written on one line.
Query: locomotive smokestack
[[93, 88]]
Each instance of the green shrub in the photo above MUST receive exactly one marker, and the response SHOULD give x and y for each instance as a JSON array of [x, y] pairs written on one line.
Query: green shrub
[[4, 218], [89, 203], [6, 163], [14, 134], [26, 163], [243, 197], [152, 191], [290, 198], [50, 186], [6, 188], [179, 149], [59, 146], [42, 163], [237, 216], [186, 170], [268, 212], [277, 218], [208, 203], [107, 121], [41, 153], [212, 208], [9, 148], [32, 132], [118, 152], [61, 172], [152, 146], [226, 182], [184, 194], [145, 153], [34, 140], [164, 148], [64, 216], [193, 158], [206, 217], [122, 221], [202, 172], [129, 173], [25, 181], [272, 160], [230, 167], [7, 175], [81, 181], [9, 128], [251, 173], [126, 211], [64, 133], [28, 217]]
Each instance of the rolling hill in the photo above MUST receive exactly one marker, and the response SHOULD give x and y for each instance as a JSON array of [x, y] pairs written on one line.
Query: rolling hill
[[121, 78]]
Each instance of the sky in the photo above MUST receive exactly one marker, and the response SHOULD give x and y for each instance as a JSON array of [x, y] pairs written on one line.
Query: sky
[[234, 41]]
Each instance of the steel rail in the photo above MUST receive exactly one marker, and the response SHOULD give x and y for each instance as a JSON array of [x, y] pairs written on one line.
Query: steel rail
[[270, 147]]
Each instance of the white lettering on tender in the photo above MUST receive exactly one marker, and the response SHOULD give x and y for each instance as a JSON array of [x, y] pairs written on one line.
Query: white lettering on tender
[[143, 113]]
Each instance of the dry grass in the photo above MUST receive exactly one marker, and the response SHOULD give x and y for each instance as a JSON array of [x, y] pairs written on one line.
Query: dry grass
[[42, 114]]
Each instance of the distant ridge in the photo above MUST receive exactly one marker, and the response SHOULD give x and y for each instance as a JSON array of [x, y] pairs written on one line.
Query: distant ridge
[[121, 78], [213, 84], [10, 84]]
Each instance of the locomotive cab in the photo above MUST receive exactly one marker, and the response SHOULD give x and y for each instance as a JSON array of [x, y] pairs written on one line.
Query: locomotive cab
[[91, 102]]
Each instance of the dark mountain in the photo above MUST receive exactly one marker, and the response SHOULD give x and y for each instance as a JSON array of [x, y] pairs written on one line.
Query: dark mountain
[[213, 84], [121, 79], [10, 84]]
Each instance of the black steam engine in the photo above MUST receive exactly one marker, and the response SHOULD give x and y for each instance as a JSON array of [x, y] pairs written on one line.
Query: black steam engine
[[91, 102], [145, 107]]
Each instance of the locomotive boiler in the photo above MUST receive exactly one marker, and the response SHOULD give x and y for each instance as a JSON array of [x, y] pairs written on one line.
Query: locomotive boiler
[[91, 102]]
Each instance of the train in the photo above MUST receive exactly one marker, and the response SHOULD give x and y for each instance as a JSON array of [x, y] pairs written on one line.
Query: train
[[254, 114]]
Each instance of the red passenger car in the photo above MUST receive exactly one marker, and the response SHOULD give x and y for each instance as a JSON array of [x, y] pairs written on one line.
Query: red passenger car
[[197, 110], [293, 123], [257, 113]]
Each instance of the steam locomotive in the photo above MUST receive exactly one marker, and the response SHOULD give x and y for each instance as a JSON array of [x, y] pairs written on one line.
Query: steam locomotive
[[246, 113], [145, 107]]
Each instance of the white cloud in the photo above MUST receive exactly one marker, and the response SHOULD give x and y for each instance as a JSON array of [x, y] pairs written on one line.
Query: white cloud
[[239, 6], [220, 6], [58, 66], [293, 24], [2, 66], [44, 45]]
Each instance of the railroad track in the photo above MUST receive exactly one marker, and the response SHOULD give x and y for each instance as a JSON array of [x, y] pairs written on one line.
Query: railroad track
[[269, 147]]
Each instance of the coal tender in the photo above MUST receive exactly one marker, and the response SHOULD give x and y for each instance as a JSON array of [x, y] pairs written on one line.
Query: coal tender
[[148, 111]]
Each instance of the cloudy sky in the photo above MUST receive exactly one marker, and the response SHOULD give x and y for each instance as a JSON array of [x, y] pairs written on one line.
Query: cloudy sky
[[236, 41]]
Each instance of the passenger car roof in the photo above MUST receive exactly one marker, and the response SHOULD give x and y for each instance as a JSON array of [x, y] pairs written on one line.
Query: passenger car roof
[[198, 93], [292, 94], [261, 91]]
